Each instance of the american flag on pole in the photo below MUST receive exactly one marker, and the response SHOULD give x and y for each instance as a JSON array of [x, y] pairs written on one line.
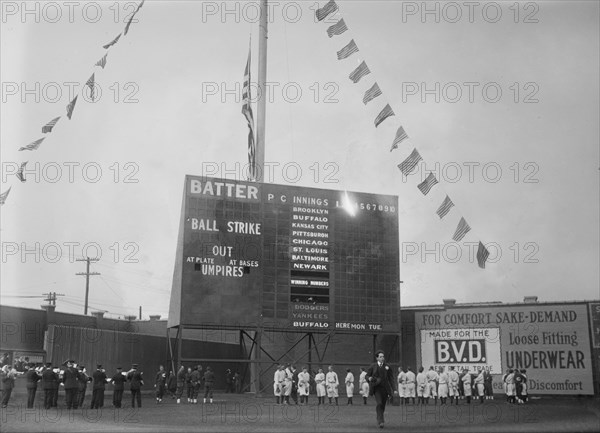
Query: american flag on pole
[[372, 93], [482, 255], [444, 207], [20, 174], [90, 84], [347, 51], [48, 126], [427, 184], [4, 195], [329, 8], [247, 112], [400, 137], [102, 61], [359, 72], [337, 29], [384, 114], [111, 43], [71, 107], [409, 164], [34, 145], [461, 230]]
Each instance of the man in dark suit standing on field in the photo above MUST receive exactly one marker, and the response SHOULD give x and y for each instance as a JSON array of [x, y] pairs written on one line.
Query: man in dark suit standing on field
[[382, 384]]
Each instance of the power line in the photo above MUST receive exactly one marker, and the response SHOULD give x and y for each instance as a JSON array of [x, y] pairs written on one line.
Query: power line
[[87, 274]]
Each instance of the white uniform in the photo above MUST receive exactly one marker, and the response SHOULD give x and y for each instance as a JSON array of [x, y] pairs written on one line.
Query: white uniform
[[349, 384], [320, 381], [410, 384], [303, 383], [431, 387], [453, 383], [287, 382], [332, 384], [443, 384], [466, 379], [479, 380], [278, 382], [510, 385], [364, 385], [402, 384], [421, 383]]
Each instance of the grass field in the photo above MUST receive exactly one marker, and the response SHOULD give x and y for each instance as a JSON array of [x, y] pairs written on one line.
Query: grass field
[[246, 413]]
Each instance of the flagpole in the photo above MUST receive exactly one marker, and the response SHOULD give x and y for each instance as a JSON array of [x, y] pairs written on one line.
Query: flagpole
[[262, 101]]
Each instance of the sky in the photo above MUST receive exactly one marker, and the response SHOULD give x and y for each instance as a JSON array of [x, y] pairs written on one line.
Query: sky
[[501, 99]]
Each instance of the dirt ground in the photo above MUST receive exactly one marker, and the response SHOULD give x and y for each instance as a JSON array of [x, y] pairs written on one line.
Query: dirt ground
[[247, 413]]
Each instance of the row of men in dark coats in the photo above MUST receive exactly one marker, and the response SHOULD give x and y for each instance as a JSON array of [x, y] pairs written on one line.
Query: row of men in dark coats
[[75, 380]]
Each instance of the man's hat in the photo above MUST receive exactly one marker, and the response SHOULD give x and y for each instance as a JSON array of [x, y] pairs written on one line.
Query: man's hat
[[134, 366], [48, 364], [81, 367], [68, 361], [99, 366], [119, 368]]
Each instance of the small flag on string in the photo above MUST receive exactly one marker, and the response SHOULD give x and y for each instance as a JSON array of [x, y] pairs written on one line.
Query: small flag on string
[[34, 145], [384, 114], [400, 137], [20, 175], [329, 8], [337, 29], [247, 112], [444, 207], [372, 93], [347, 51], [48, 126], [359, 72], [461, 230], [427, 184], [111, 43], [102, 61], [71, 107], [409, 164], [4, 195], [90, 84], [482, 255]]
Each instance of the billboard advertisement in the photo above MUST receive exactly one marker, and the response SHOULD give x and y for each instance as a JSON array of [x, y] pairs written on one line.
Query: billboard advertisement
[[550, 341], [283, 256]]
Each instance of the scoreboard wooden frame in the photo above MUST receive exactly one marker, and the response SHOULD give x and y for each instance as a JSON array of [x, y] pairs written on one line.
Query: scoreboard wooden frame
[[287, 258]]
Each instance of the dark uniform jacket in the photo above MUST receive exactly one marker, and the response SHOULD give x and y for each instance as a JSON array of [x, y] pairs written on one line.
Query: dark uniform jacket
[[118, 381], [99, 378], [49, 379], [381, 377], [71, 378], [135, 378], [32, 378]]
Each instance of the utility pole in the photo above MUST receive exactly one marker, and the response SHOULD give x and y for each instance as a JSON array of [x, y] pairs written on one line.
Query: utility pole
[[51, 298], [87, 274]]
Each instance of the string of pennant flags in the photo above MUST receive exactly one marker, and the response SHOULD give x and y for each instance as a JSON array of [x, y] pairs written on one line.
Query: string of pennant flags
[[48, 127], [407, 166]]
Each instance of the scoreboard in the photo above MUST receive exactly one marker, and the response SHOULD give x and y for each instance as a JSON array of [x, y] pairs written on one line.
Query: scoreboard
[[279, 256]]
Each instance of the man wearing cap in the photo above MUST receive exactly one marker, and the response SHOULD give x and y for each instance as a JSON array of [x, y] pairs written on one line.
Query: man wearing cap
[[98, 387], [82, 382], [135, 379], [32, 378], [382, 384], [48, 379], [71, 383], [118, 381]]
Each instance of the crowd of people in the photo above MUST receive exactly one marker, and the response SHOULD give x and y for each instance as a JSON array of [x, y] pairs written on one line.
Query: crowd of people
[[447, 386], [74, 379]]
